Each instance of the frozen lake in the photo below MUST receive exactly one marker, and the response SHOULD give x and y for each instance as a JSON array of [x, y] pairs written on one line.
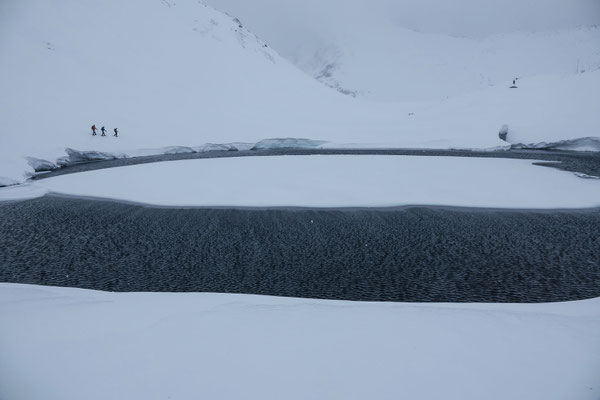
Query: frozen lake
[[335, 181]]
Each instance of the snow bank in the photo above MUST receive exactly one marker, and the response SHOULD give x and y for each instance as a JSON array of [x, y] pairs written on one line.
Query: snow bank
[[77, 156], [336, 181], [580, 144], [287, 143], [80, 156], [21, 192], [178, 150], [239, 146], [81, 344], [40, 165], [7, 182]]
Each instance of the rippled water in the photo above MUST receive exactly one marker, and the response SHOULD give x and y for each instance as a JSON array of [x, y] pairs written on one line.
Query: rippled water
[[409, 254]]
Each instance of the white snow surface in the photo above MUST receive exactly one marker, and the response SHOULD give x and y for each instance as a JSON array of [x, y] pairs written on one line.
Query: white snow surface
[[404, 50], [21, 192], [64, 344], [335, 181], [180, 74]]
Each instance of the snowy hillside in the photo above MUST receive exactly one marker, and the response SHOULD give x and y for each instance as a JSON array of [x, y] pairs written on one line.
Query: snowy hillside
[[183, 74], [163, 73], [404, 50], [397, 64]]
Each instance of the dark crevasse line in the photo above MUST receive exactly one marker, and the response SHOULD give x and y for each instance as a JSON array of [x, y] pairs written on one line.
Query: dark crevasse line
[[424, 254]]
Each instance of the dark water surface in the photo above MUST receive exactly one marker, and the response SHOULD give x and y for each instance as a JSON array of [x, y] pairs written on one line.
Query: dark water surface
[[405, 254]]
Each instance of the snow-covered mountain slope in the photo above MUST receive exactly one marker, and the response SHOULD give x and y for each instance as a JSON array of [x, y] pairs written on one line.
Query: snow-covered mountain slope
[[428, 67], [164, 73], [541, 109], [405, 51], [183, 74]]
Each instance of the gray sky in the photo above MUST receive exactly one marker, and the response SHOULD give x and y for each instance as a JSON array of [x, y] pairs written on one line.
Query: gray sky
[[286, 24], [478, 18]]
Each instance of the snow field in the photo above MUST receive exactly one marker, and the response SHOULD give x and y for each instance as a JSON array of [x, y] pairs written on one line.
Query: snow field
[[334, 181], [74, 344]]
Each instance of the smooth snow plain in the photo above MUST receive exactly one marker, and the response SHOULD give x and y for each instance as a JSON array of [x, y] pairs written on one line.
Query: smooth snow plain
[[59, 343], [334, 181]]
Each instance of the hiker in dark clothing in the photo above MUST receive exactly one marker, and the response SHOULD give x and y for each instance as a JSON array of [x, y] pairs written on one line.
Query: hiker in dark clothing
[[116, 133], [94, 130], [103, 131]]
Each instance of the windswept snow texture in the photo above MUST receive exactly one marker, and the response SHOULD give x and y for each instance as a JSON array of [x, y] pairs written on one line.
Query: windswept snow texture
[[335, 181], [69, 344]]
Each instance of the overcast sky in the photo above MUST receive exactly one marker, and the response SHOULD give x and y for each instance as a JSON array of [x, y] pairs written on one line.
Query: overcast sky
[[476, 18], [289, 24]]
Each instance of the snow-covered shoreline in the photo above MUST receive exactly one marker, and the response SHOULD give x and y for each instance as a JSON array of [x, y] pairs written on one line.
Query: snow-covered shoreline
[[59, 343], [73, 156], [333, 181]]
